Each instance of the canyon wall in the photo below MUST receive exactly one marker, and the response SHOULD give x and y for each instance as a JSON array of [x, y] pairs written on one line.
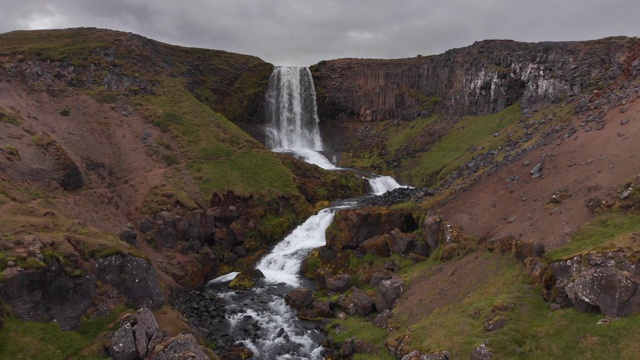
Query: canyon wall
[[479, 79]]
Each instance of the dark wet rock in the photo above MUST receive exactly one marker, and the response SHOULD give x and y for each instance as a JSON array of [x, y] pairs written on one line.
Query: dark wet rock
[[299, 298], [481, 353], [381, 319], [133, 277], [598, 282], [49, 294], [388, 292], [246, 279], [358, 302], [123, 344], [397, 196]]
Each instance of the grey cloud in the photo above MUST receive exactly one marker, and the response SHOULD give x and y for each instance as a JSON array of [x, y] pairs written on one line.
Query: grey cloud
[[303, 32]]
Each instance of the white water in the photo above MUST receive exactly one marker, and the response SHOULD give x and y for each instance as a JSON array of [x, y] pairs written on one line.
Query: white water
[[382, 184], [283, 263], [292, 118], [292, 127]]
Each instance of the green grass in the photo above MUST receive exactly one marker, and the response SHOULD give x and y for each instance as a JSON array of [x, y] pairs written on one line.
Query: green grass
[[360, 328], [532, 331], [30, 340], [220, 156], [453, 150], [608, 230], [401, 135]]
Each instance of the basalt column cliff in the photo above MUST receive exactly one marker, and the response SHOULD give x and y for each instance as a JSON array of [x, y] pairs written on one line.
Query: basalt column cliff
[[479, 79]]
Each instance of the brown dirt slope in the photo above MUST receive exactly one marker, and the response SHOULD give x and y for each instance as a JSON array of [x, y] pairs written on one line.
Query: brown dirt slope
[[588, 165]]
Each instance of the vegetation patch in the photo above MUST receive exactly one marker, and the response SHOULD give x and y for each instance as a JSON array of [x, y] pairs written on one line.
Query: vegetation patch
[[458, 145], [607, 231], [28, 340]]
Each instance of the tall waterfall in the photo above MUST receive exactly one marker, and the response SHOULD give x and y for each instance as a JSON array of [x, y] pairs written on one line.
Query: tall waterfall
[[292, 118]]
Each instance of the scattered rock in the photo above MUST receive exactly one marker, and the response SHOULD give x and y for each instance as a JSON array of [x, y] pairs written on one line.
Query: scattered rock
[[388, 292], [481, 353], [381, 319], [358, 302], [299, 298]]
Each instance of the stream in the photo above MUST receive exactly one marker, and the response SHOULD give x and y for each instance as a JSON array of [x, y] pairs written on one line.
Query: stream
[[259, 319]]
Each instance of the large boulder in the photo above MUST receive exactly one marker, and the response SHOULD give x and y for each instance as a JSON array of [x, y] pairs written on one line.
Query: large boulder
[[133, 277], [377, 245], [123, 344], [337, 283], [601, 282], [358, 302], [402, 243], [49, 294], [246, 280], [299, 298], [388, 292]]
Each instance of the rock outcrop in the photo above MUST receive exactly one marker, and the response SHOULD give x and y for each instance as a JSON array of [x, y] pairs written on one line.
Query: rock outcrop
[[601, 282], [479, 79], [133, 277], [49, 294], [140, 337]]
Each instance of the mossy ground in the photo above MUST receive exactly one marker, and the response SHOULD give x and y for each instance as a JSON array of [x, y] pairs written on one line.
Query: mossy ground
[[22, 340]]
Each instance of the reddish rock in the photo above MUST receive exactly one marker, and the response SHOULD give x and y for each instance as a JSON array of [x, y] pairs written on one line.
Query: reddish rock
[[299, 298], [377, 245], [358, 302]]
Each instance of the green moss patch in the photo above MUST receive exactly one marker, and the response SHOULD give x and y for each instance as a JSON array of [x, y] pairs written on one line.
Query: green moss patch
[[608, 231]]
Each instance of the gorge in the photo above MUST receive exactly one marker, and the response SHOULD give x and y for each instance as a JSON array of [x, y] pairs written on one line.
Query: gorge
[[129, 180]]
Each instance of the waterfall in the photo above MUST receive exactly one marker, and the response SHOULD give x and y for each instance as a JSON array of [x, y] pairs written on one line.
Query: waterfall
[[292, 116], [259, 318], [282, 264], [382, 184]]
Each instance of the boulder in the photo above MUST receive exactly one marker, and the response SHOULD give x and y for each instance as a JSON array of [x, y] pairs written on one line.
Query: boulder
[[402, 243], [123, 344], [358, 302], [299, 298], [377, 277], [128, 235], [600, 282], [339, 283], [183, 346], [49, 294], [481, 353], [381, 319], [133, 277], [388, 292], [432, 231], [246, 280], [377, 245]]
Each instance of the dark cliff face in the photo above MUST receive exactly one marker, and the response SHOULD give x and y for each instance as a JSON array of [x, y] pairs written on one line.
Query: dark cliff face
[[479, 79]]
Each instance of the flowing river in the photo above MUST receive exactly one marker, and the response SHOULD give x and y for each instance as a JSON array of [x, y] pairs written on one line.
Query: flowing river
[[258, 318]]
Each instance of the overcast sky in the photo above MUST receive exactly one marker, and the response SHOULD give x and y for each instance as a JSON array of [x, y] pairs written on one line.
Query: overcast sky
[[303, 32]]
